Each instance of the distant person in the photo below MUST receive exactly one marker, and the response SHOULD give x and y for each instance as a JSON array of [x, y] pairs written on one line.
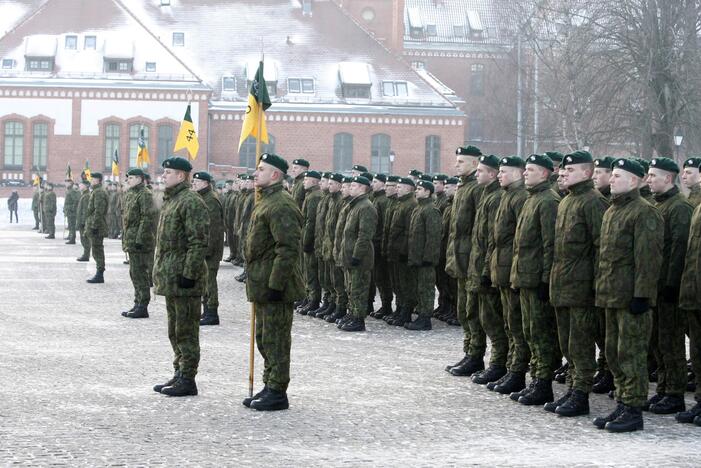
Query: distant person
[[12, 205]]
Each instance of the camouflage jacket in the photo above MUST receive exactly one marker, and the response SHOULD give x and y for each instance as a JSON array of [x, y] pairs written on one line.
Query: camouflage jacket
[[70, 204], [695, 195], [298, 192], [50, 203], [505, 220], [35, 200], [424, 241], [181, 242], [676, 213], [272, 247], [96, 213], [320, 223], [445, 228], [82, 209], [247, 205], [215, 243], [358, 233], [462, 221], [390, 208], [138, 220], [337, 251], [577, 232], [335, 204], [441, 201], [534, 239], [482, 240], [690, 290], [380, 202], [398, 240], [630, 252], [309, 211]]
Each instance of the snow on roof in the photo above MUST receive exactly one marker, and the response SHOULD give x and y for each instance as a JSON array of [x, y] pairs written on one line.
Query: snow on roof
[[270, 69], [40, 45], [356, 73], [118, 48]]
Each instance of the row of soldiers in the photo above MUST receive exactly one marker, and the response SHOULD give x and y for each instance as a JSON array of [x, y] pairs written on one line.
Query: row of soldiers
[[546, 257]]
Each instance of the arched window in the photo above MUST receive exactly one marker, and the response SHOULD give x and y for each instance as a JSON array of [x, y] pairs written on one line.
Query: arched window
[[134, 134], [14, 144], [40, 151], [433, 154], [379, 152], [247, 154], [342, 152], [165, 142], [111, 143]]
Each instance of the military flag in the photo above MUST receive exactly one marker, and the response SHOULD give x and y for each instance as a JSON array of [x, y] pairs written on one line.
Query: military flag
[[69, 172], [142, 158], [115, 164], [36, 180], [86, 175], [187, 137], [258, 103]]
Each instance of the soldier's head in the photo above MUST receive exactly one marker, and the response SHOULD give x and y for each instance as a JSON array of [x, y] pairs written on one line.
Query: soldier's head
[[247, 181], [311, 179], [175, 171], [510, 170], [451, 186], [335, 181], [96, 179], [626, 175], [49, 186], [690, 173], [345, 187], [487, 169], [298, 167], [576, 167], [538, 170], [439, 182], [201, 181], [378, 182], [466, 160], [662, 174], [415, 175], [424, 189], [358, 169], [602, 172], [271, 170], [556, 157], [360, 186], [83, 184], [391, 186], [405, 186], [324, 183], [135, 177]]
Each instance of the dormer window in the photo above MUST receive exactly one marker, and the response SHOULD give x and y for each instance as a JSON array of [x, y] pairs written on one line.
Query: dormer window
[[90, 42], [71, 42], [40, 53], [43, 64], [178, 39], [474, 23], [228, 83], [8, 63], [395, 88], [118, 66], [416, 25], [355, 80], [151, 67], [431, 30], [300, 86]]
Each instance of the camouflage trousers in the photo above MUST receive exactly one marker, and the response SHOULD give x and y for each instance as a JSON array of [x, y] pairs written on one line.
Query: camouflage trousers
[[492, 321], [98, 250], [37, 218], [474, 340], [519, 353], [49, 223], [381, 282], [601, 364], [71, 227], [274, 341], [357, 284], [694, 321], [540, 331], [184, 332], [425, 281], [211, 295], [324, 279], [406, 285], [233, 244], [668, 343], [576, 330], [627, 342], [340, 291], [85, 242], [140, 267], [447, 287], [311, 277]]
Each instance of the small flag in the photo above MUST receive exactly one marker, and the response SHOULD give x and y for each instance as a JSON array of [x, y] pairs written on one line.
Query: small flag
[[187, 137], [258, 102], [69, 173], [142, 158], [115, 164], [36, 180], [86, 172]]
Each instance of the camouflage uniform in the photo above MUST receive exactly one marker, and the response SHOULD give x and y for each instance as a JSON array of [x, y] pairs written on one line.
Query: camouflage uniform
[[70, 211], [319, 238], [181, 247], [248, 198], [630, 257], [112, 214], [690, 295], [138, 240], [215, 247], [35, 208], [272, 252], [80, 222], [337, 271], [96, 223], [530, 273], [384, 247], [398, 247], [49, 213], [380, 275], [42, 195], [424, 251], [577, 232], [447, 286], [311, 272], [230, 207], [694, 196], [298, 191]]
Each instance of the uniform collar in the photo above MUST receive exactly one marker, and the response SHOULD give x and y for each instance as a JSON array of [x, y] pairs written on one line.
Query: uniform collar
[[312, 189], [270, 189], [170, 192], [492, 186], [205, 191], [515, 185], [541, 187], [406, 197], [661, 197], [355, 200], [425, 201], [625, 198], [581, 187], [467, 178]]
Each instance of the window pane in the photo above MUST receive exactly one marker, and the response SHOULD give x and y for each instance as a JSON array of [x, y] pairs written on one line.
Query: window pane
[[388, 88], [90, 42], [40, 143], [228, 83], [247, 154], [150, 66], [71, 42], [342, 152], [476, 129], [401, 88], [477, 79], [308, 86], [14, 144], [293, 85], [165, 142], [379, 153], [111, 142], [433, 154], [178, 39]]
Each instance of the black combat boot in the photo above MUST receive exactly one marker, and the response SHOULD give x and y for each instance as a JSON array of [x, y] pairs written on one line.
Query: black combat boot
[[124, 314], [560, 374], [382, 312], [309, 307], [247, 401], [389, 318], [689, 416], [697, 421], [182, 387], [601, 421], [337, 315], [354, 325], [670, 404], [653, 400], [83, 258], [403, 316], [50, 236], [469, 367], [242, 277], [552, 406], [159, 387], [541, 394], [301, 303], [492, 374], [422, 323], [70, 242], [139, 311], [577, 405], [514, 382], [343, 320], [98, 278], [272, 400], [323, 306], [210, 316], [459, 363], [524, 390], [605, 384], [630, 420], [504, 378], [328, 311]]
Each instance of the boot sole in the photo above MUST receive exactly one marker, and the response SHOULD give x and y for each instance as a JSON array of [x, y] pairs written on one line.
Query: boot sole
[[637, 427]]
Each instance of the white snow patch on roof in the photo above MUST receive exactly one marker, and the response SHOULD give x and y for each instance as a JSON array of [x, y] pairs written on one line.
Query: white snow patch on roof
[[40, 45], [118, 48], [270, 69], [357, 73]]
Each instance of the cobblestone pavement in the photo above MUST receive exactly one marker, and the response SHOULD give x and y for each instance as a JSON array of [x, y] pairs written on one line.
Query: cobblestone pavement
[[76, 388]]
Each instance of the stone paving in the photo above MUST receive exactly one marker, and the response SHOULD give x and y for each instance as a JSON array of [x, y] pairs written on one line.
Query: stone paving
[[77, 377]]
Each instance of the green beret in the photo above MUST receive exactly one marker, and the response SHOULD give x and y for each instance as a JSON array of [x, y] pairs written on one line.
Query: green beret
[[468, 151], [301, 162], [347, 180], [604, 163], [275, 161], [426, 177], [96, 175], [175, 162], [555, 156], [246, 177], [452, 181], [440, 177], [540, 160], [393, 178], [512, 161], [361, 180], [643, 162], [336, 176], [206, 176], [326, 175], [136, 171], [380, 177], [426, 184], [406, 181], [630, 165], [665, 164], [360, 168], [693, 162], [578, 157], [415, 173], [367, 175], [491, 161], [147, 176], [229, 181], [314, 174]]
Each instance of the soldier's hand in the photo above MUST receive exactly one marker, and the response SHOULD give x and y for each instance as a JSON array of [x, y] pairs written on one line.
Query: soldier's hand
[[273, 295], [186, 283], [639, 305], [355, 261], [485, 282], [309, 248], [544, 292], [670, 293]]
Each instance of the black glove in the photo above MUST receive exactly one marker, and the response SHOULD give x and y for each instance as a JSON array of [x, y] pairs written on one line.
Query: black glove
[[138, 246], [94, 231], [639, 305], [670, 294], [426, 263], [273, 295], [404, 258], [186, 283], [355, 261], [544, 292], [485, 282], [309, 248]]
